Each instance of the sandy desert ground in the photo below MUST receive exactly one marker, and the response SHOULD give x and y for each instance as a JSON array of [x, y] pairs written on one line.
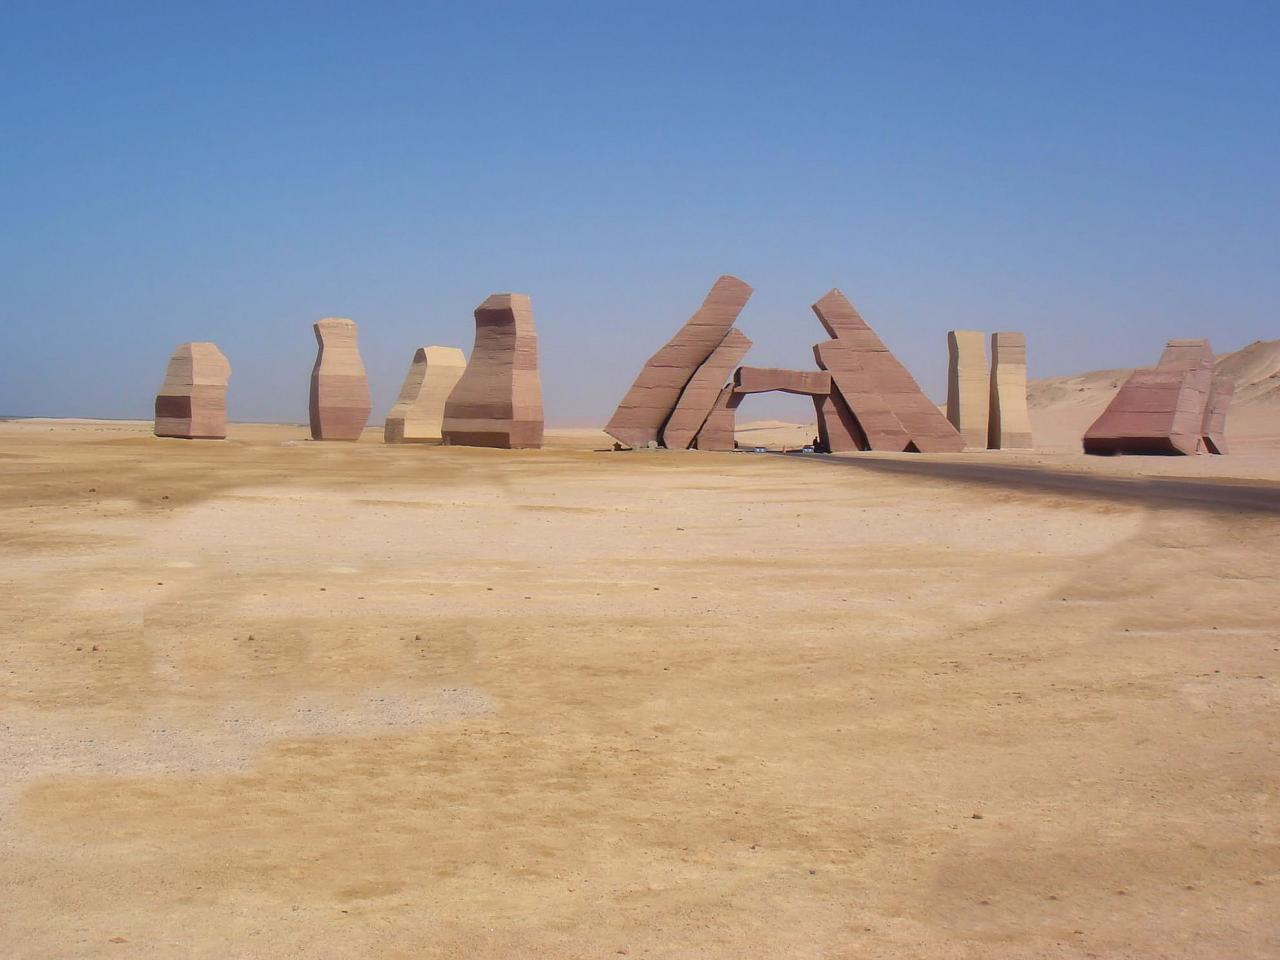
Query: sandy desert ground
[[274, 698]]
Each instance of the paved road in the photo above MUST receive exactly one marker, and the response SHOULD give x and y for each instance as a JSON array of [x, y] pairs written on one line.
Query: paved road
[[1234, 496]]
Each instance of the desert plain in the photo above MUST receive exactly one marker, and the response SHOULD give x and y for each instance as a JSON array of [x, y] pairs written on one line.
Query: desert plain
[[269, 697]]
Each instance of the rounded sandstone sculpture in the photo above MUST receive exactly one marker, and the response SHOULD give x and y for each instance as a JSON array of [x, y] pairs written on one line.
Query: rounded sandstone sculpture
[[340, 401], [498, 400], [418, 413], [192, 402]]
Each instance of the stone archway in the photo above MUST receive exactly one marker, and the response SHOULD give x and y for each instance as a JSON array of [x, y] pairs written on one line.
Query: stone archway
[[838, 429]]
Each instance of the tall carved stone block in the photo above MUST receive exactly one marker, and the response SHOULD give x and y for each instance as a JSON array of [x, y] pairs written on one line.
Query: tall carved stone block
[[340, 401], [968, 391], [418, 413], [1175, 407], [497, 402], [1010, 423], [652, 399], [700, 393], [192, 402]]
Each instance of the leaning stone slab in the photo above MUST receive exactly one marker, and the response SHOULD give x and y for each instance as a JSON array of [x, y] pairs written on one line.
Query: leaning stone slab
[[700, 393], [891, 409], [654, 395]]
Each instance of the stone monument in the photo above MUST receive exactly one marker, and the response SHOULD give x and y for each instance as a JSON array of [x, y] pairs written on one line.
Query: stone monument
[[192, 402], [497, 401], [340, 402], [418, 412], [1009, 421], [1176, 407], [968, 391]]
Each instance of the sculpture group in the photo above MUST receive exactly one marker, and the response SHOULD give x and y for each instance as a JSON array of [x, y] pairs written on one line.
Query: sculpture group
[[863, 397], [687, 394], [494, 401]]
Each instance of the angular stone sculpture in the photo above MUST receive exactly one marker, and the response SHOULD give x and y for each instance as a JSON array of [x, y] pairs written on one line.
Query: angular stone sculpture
[[717, 432], [1010, 423], [702, 390], [498, 400], [838, 428], [340, 401], [968, 392], [1175, 407], [653, 397], [1215, 414], [887, 403], [418, 412], [192, 402]]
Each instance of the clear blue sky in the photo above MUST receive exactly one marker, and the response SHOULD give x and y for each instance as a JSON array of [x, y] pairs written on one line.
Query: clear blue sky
[[1101, 175]]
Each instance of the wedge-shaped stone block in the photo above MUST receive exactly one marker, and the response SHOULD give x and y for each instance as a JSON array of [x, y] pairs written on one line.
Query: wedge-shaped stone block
[[1175, 407], [418, 413], [653, 397], [700, 393], [968, 391], [1010, 422], [497, 402], [192, 402], [340, 401], [891, 410]]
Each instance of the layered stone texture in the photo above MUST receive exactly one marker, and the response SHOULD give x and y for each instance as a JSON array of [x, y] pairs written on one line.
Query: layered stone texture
[[192, 402], [768, 379], [968, 391], [340, 401], [1175, 407], [718, 429], [891, 411], [838, 429], [701, 392], [418, 413], [1009, 420], [497, 402], [654, 395]]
